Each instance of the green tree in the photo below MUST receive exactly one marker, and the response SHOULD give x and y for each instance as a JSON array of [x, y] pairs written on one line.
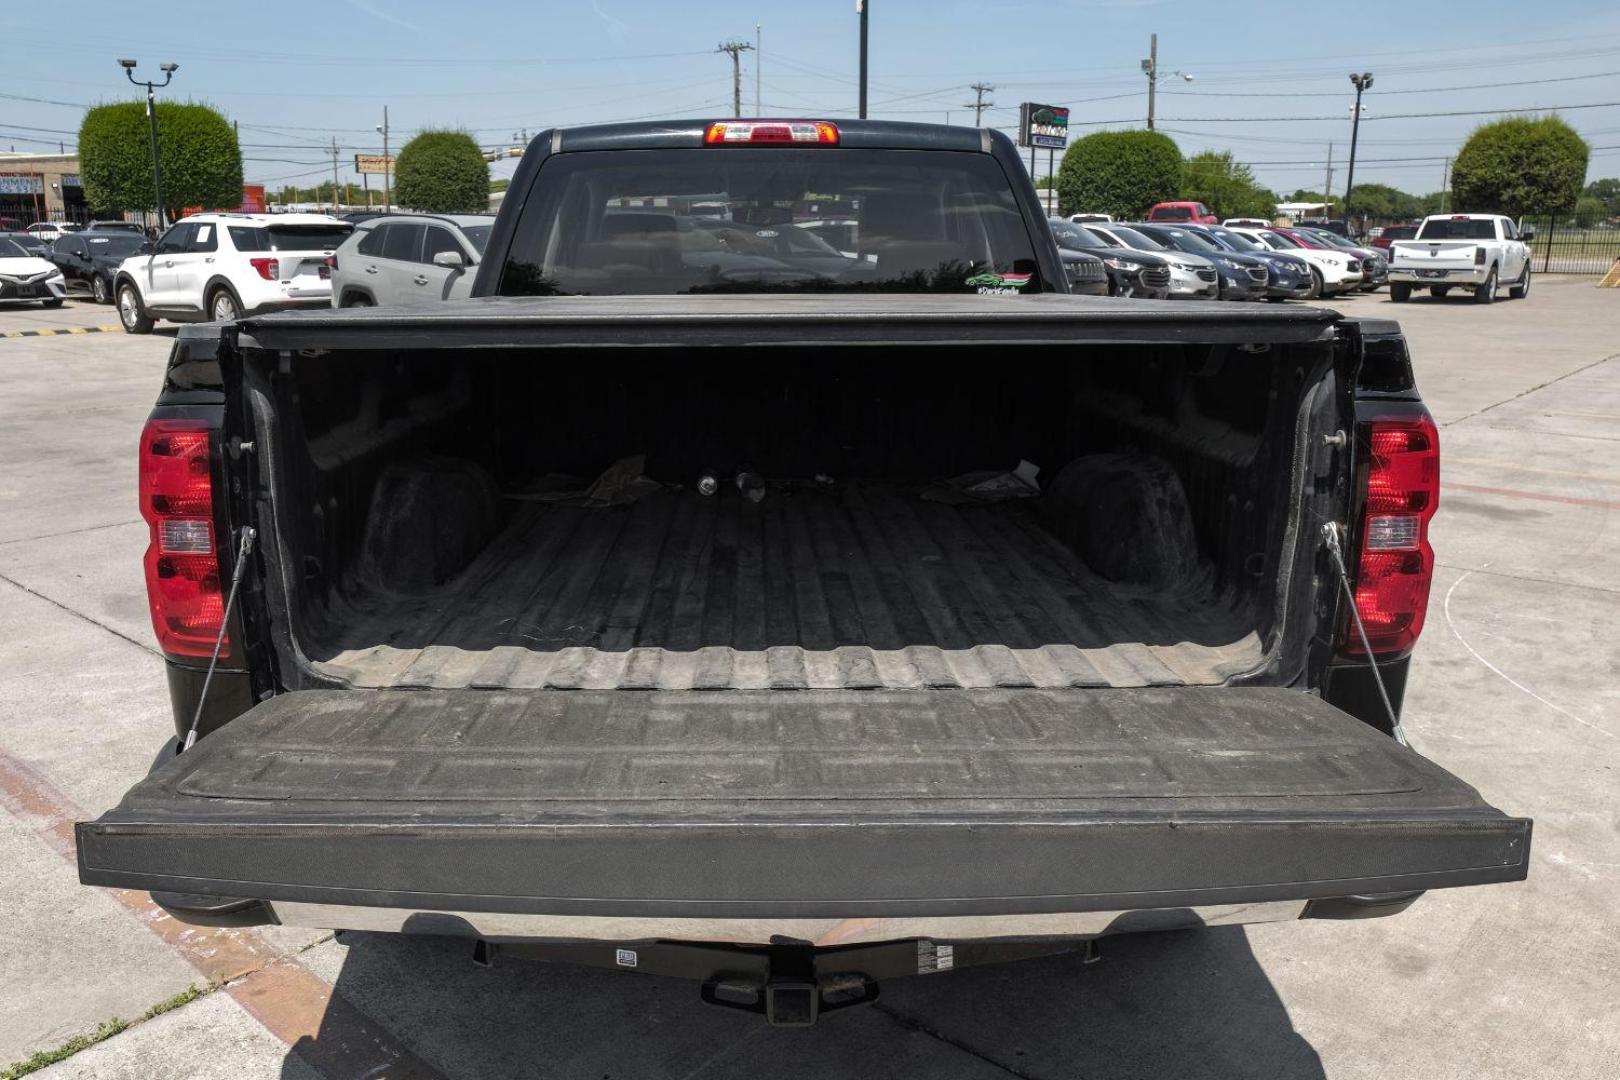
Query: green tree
[[1589, 211], [442, 172], [1434, 202], [1520, 165], [197, 150], [1380, 202], [1119, 172], [1606, 191], [1225, 186]]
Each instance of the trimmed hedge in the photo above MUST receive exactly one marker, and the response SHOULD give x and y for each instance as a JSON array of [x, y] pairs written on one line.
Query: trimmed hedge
[[442, 172], [1120, 173], [197, 149], [1520, 165]]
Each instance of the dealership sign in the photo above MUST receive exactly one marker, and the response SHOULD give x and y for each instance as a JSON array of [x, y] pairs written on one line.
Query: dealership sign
[[1043, 126], [22, 185], [373, 163]]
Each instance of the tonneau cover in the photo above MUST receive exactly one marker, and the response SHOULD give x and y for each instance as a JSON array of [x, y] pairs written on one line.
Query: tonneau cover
[[787, 319]]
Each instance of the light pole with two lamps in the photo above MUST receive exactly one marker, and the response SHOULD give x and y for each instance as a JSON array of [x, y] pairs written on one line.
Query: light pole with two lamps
[[1361, 82], [151, 116]]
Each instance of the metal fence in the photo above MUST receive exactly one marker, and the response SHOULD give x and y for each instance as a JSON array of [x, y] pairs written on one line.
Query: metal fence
[[1561, 246]]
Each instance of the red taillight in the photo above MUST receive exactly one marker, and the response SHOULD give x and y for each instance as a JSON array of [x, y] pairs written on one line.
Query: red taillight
[[777, 132], [1479, 256], [182, 566], [1397, 563], [331, 262], [269, 269]]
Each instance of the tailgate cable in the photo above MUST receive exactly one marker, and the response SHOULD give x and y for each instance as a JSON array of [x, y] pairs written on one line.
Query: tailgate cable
[[1331, 531], [242, 552]]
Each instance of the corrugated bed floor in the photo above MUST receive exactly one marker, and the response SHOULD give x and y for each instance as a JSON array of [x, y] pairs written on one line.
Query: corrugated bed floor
[[863, 587]]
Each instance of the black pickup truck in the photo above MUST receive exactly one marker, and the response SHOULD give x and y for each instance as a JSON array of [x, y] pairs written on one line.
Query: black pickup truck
[[772, 577]]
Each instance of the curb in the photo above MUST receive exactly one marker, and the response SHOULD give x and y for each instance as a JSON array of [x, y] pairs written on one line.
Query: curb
[[64, 330]]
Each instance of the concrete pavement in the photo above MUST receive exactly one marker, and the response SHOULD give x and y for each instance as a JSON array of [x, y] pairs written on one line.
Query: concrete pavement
[[1514, 689]]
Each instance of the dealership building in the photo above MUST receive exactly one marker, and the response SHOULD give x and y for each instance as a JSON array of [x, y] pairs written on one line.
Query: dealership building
[[41, 187]]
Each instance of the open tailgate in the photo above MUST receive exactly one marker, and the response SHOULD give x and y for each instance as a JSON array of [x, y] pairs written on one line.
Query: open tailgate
[[805, 804]]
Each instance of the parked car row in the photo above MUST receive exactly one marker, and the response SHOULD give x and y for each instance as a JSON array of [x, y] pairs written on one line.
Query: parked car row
[[218, 266], [1188, 261]]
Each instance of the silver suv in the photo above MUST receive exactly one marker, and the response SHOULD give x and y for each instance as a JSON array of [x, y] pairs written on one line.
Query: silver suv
[[408, 258]]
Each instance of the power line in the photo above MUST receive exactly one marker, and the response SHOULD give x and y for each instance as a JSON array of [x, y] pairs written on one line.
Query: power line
[[1384, 116], [1387, 93]]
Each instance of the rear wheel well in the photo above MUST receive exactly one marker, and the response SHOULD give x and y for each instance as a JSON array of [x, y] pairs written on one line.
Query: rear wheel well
[[214, 285]]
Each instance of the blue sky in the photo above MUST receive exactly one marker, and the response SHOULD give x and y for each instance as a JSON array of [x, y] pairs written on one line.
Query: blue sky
[[295, 78]]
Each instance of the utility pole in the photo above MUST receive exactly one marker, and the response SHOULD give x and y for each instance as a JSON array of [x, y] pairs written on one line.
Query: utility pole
[[759, 58], [860, 9], [388, 189], [1361, 82], [1327, 182], [335, 206], [978, 104], [1152, 69], [151, 116], [1445, 185], [736, 49]]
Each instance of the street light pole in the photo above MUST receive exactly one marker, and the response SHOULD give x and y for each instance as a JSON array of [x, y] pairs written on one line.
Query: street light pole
[[860, 8], [1360, 82], [1152, 69], [388, 189], [151, 116]]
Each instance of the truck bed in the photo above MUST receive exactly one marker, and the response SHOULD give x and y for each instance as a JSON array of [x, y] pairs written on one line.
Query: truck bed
[[865, 586]]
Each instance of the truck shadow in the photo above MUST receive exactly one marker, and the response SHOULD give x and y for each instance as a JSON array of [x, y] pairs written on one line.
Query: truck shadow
[[1180, 1005]]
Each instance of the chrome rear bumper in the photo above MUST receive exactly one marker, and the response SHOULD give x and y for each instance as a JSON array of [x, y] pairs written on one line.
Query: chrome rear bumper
[[820, 932]]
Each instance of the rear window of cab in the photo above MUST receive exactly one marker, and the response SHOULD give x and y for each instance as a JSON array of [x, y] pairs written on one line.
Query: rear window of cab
[[770, 219], [288, 237]]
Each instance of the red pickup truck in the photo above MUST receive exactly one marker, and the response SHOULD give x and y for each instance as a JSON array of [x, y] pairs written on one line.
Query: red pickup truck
[[1191, 213]]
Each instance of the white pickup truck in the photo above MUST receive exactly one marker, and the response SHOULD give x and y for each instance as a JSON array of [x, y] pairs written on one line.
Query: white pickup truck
[[1474, 251]]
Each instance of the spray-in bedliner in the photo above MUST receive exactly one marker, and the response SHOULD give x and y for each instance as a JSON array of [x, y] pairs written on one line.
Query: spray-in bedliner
[[866, 586]]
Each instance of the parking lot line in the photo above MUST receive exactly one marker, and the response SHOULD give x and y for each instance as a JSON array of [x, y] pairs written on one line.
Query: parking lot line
[[1513, 493], [290, 1001], [54, 331]]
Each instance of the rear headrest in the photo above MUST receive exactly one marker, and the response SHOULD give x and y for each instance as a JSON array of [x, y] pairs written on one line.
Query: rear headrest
[[628, 224], [900, 216]]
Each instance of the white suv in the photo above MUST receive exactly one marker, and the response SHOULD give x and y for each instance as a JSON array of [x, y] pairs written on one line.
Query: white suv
[[217, 267]]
